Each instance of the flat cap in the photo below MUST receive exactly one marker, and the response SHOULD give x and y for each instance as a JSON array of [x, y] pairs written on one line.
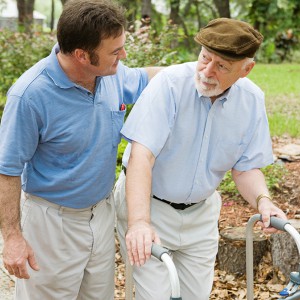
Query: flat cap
[[230, 39]]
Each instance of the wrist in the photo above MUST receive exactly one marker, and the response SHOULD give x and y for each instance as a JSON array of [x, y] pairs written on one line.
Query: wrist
[[138, 221], [260, 197], [9, 235]]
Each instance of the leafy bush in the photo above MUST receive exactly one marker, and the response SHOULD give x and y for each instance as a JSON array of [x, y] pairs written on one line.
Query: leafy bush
[[273, 175], [18, 52], [146, 47]]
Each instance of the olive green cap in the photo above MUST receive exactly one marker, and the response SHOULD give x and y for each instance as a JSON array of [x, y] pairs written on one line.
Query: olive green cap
[[230, 39]]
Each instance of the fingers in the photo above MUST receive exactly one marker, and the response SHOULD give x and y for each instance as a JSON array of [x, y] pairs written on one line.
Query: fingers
[[32, 261], [16, 253], [267, 211], [20, 271], [139, 239], [138, 249], [266, 218]]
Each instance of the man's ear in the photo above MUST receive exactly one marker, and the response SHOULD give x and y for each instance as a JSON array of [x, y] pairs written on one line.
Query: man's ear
[[81, 56], [248, 68]]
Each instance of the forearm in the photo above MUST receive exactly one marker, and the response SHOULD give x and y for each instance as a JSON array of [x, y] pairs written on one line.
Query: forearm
[[140, 233], [138, 184], [250, 184], [10, 193], [152, 71]]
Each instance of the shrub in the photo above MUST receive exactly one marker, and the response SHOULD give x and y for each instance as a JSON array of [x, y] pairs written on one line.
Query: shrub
[[18, 52], [273, 175], [146, 47]]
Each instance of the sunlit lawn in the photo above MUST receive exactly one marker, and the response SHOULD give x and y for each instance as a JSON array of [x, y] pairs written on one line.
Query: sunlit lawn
[[281, 84]]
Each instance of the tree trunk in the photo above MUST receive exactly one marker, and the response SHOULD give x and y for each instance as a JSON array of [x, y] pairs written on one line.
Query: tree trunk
[[25, 19], [131, 12], [174, 13], [146, 8], [284, 251], [223, 8], [146, 13], [52, 15], [232, 250], [63, 2]]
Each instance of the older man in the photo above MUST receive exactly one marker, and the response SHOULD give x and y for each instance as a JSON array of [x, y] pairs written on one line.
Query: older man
[[192, 124]]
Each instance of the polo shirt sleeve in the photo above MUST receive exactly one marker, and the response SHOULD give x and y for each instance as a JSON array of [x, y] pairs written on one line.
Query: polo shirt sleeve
[[18, 136], [258, 152], [134, 82], [152, 117]]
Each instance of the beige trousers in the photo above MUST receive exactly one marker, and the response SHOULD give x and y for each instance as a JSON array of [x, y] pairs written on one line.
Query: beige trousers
[[191, 235], [75, 250]]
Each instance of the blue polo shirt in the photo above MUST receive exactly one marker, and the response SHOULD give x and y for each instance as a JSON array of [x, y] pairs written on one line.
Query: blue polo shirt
[[62, 138], [194, 141]]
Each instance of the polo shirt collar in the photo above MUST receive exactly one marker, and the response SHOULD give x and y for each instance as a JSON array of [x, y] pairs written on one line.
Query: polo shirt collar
[[55, 71]]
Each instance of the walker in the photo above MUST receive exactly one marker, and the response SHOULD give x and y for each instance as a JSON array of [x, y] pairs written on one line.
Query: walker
[[290, 292]]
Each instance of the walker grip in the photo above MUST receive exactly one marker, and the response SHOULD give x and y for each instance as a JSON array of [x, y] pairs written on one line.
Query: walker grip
[[278, 223], [157, 251]]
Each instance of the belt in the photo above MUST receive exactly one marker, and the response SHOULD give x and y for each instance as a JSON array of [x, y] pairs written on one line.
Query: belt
[[180, 206]]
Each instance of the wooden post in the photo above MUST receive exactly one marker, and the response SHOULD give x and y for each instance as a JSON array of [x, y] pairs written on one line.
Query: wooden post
[[285, 255], [232, 249]]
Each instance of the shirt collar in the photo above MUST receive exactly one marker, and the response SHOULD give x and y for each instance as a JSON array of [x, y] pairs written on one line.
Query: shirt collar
[[55, 71], [223, 98]]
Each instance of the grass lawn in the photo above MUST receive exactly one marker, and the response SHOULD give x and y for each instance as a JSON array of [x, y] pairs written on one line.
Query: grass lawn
[[282, 90]]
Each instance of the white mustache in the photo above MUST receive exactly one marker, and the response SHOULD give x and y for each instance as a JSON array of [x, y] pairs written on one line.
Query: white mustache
[[205, 79]]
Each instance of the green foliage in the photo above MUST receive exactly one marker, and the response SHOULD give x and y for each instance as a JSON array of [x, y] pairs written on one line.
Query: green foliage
[[121, 150], [147, 47], [2, 103], [18, 52], [228, 186], [278, 21], [273, 176]]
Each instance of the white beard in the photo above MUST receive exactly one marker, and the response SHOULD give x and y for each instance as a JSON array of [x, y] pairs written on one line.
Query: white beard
[[203, 89]]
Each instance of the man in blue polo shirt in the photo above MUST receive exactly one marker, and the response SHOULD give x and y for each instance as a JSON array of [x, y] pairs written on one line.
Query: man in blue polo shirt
[[192, 124], [60, 133]]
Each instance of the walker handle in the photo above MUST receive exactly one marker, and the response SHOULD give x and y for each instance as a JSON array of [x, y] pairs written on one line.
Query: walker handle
[[157, 251], [163, 255], [278, 223], [274, 222]]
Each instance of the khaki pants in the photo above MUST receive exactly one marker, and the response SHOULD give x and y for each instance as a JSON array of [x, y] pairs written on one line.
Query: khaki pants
[[75, 250], [190, 234]]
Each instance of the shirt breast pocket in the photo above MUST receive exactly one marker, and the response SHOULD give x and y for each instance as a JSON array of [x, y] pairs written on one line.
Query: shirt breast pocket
[[117, 123], [226, 154]]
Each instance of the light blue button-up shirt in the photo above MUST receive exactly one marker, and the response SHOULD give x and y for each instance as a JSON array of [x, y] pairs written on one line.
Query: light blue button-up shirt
[[62, 138], [194, 141]]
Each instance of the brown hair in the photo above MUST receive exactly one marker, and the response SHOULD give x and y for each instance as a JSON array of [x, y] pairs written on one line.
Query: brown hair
[[84, 23]]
